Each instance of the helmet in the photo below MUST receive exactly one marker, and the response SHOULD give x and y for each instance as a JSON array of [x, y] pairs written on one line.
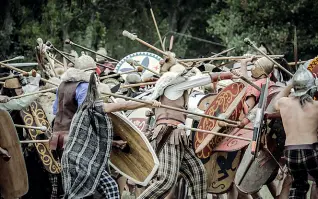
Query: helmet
[[262, 66], [101, 51], [303, 81], [84, 62], [168, 62]]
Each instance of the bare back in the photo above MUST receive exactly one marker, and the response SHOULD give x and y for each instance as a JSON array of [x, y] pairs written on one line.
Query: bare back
[[300, 123]]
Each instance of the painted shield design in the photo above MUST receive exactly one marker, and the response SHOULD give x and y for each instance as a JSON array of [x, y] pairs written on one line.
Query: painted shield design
[[230, 144], [34, 115], [227, 104], [13, 173], [221, 170], [139, 119], [146, 59]]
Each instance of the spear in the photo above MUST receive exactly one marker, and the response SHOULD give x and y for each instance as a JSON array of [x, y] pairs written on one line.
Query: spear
[[250, 43], [225, 58], [136, 63], [182, 126], [33, 93], [68, 41], [15, 58], [155, 22], [174, 108], [138, 69], [41, 128]]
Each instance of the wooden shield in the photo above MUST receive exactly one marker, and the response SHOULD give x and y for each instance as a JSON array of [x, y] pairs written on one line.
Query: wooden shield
[[140, 162], [13, 173], [221, 169], [258, 173], [34, 115], [227, 104], [230, 144]]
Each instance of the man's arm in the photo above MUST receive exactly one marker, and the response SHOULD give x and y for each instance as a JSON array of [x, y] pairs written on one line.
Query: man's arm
[[55, 104], [284, 93], [81, 91], [128, 105], [243, 69]]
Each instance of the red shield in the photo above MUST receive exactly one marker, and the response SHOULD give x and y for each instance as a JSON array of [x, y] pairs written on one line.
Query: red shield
[[230, 144], [227, 104]]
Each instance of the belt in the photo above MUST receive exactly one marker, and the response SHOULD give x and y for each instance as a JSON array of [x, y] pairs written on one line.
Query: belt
[[301, 146], [167, 121]]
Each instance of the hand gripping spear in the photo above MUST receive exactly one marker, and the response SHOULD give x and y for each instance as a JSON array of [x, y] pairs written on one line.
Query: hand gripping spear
[[173, 108]]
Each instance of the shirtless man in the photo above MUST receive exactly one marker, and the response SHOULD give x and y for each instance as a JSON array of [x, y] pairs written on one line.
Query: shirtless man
[[300, 119]]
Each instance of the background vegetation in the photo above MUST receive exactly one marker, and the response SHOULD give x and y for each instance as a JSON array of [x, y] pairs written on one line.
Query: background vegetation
[[200, 27]]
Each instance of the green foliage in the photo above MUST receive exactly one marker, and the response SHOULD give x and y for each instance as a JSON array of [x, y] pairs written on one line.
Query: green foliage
[[271, 22]]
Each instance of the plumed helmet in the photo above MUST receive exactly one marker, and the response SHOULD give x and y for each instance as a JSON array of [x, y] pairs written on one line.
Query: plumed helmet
[[303, 81], [263, 66], [84, 62], [101, 51]]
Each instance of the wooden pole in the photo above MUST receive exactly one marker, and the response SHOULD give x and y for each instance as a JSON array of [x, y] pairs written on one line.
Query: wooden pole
[[33, 141], [15, 58], [41, 128], [250, 43], [33, 93], [22, 71], [89, 50], [138, 69], [225, 58], [156, 26], [139, 84], [174, 108], [134, 62], [214, 133], [134, 37]]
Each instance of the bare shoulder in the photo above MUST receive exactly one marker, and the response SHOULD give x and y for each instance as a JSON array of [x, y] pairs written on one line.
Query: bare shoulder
[[283, 100]]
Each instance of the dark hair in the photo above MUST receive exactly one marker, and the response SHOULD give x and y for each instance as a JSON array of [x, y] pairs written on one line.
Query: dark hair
[[308, 97]]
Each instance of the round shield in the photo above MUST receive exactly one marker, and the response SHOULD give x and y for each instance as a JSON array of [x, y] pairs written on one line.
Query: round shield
[[146, 59], [227, 104]]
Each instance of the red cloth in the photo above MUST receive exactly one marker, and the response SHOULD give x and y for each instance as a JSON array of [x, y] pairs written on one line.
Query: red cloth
[[251, 91]]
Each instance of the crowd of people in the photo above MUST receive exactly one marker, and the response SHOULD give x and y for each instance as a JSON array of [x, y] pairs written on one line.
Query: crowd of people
[[82, 135]]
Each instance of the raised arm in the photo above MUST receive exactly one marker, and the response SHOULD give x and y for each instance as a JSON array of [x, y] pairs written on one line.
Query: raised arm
[[284, 93]]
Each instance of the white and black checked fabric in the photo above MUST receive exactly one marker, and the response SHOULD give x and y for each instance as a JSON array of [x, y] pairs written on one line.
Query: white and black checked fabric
[[174, 159], [108, 187], [300, 163], [87, 152]]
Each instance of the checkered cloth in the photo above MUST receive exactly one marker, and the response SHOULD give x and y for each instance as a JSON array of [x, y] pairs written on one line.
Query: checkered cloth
[[86, 154], [107, 186], [174, 159], [300, 163]]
